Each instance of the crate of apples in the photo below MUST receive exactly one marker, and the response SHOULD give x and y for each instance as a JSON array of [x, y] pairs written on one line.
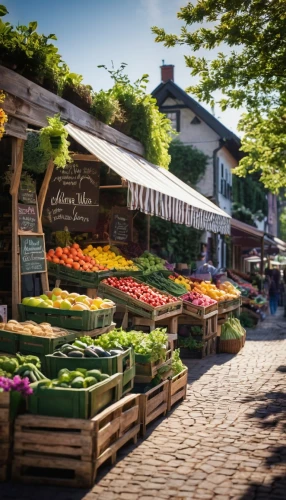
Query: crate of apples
[[73, 257], [61, 299]]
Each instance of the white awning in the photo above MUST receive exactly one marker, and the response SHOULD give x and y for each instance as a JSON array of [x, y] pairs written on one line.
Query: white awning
[[154, 190]]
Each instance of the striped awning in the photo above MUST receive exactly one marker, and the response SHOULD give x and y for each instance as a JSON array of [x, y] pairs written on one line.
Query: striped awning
[[154, 190]]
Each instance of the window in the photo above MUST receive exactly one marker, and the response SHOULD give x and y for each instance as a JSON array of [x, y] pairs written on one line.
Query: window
[[222, 171], [174, 117], [195, 121]]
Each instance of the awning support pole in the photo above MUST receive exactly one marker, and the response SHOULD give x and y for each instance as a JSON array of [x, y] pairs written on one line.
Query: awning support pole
[[148, 233]]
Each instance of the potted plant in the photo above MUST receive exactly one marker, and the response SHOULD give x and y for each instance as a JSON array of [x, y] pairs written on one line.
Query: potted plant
[[53, 139]]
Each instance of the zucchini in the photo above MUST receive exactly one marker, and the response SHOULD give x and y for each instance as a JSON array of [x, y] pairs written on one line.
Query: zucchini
[[59, 354], [90, 353]]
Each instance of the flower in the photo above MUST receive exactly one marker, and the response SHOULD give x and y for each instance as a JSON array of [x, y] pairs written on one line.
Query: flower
[[18, 384], [3, 116]]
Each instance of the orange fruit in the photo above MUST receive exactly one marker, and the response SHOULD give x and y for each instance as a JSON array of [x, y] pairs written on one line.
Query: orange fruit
[[75, 245]]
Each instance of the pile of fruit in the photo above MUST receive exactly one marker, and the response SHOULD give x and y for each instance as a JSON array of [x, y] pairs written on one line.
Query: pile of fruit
[[232, 330], [106, 259], [24, 366], [140, 291], [181, 280], [229, 288], [80, 349], [198, 299], [77, 379], [61, 299], [34, 329], [149, 262], [212, 291], [74, 258]]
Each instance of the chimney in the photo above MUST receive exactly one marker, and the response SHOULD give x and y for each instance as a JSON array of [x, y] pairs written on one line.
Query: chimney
[[167, 72]]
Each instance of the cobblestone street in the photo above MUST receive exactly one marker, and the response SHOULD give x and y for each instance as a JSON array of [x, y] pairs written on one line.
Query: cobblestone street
[[227, 440]]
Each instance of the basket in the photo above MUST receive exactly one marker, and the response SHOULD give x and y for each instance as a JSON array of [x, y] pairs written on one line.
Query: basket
[[231, 346], [73, 320]]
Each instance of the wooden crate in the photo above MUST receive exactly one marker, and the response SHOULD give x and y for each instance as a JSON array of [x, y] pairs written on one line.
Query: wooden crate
[[169, 322], [200, 312], [53, 450], [209, 325], [145, 372], [137, 306], [177, 388], [208, 348], [153, 404], [5, 434], [114, 427]]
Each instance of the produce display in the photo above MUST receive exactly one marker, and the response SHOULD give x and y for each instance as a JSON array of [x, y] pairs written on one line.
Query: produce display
[[165, 284], [76, 379], [149, 262], [240, 280], [74, 258], [24, 366], [61, 299], [181, 280], [140, 291], [177, 364], [34, 329], [198, 299], [151, 344], [228, 288], [232, 330], [80, 349], [212, 291], [105, 259]]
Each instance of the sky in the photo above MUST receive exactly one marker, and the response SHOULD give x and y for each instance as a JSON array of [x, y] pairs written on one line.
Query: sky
[[94, 32]]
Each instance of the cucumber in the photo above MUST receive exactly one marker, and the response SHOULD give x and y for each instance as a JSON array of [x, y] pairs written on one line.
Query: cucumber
[[80, 344]]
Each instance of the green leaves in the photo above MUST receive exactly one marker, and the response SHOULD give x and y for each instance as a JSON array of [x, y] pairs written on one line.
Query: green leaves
[[252, 75], [3, 11]]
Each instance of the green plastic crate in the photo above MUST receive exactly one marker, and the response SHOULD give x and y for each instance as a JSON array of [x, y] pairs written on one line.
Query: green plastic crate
[[112, 365], [73, 320], [75, 403], [82, 278], [9, 342], [41, 346]]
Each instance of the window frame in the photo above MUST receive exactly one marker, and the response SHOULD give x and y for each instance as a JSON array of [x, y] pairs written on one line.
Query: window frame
[[178, 117]]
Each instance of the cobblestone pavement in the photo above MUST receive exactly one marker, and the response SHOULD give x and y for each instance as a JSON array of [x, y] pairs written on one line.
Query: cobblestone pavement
[[226, 440]]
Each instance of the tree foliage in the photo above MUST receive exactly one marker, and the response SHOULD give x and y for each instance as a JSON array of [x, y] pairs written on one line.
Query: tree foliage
[[250, 71], [187, 162], [250, 193], [176, 242]]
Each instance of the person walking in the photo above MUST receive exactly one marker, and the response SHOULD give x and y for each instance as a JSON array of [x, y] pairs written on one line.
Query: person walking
[[272, 296]]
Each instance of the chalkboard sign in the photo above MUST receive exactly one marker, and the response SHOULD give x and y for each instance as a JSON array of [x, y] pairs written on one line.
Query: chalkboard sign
[[72, 199], [27, 194], [120, 225], [32, 254], [27, 218]]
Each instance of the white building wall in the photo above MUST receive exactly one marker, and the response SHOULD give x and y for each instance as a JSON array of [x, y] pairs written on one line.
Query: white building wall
[[200, 136]]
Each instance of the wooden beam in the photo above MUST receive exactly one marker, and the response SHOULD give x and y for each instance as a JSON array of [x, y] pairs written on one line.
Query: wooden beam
[[16, 128], [44, 188], [17, 162], [80, 157], [35, 100]]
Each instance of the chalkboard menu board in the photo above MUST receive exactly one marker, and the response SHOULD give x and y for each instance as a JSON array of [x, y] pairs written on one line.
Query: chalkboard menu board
[[32, 254], [27, 194], [27, 218], [72, 199], [120, 225]]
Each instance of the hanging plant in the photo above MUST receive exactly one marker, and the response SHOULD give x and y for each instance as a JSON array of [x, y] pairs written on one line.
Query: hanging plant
[[53, 139], [36, 158], [3, 116]]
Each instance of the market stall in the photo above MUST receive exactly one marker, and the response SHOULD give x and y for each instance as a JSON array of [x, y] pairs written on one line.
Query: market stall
[[63, 361]]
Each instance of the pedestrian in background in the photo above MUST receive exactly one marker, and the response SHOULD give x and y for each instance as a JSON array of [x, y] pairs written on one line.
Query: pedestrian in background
[[272, 296]]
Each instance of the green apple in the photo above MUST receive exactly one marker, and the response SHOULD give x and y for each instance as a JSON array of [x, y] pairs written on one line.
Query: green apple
[[26, 300], [33, 302], [44, 297], [65, 304]]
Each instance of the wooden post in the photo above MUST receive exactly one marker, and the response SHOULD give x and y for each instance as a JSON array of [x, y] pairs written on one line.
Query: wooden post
[[44, 188], [41, 202], [17, 162]]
